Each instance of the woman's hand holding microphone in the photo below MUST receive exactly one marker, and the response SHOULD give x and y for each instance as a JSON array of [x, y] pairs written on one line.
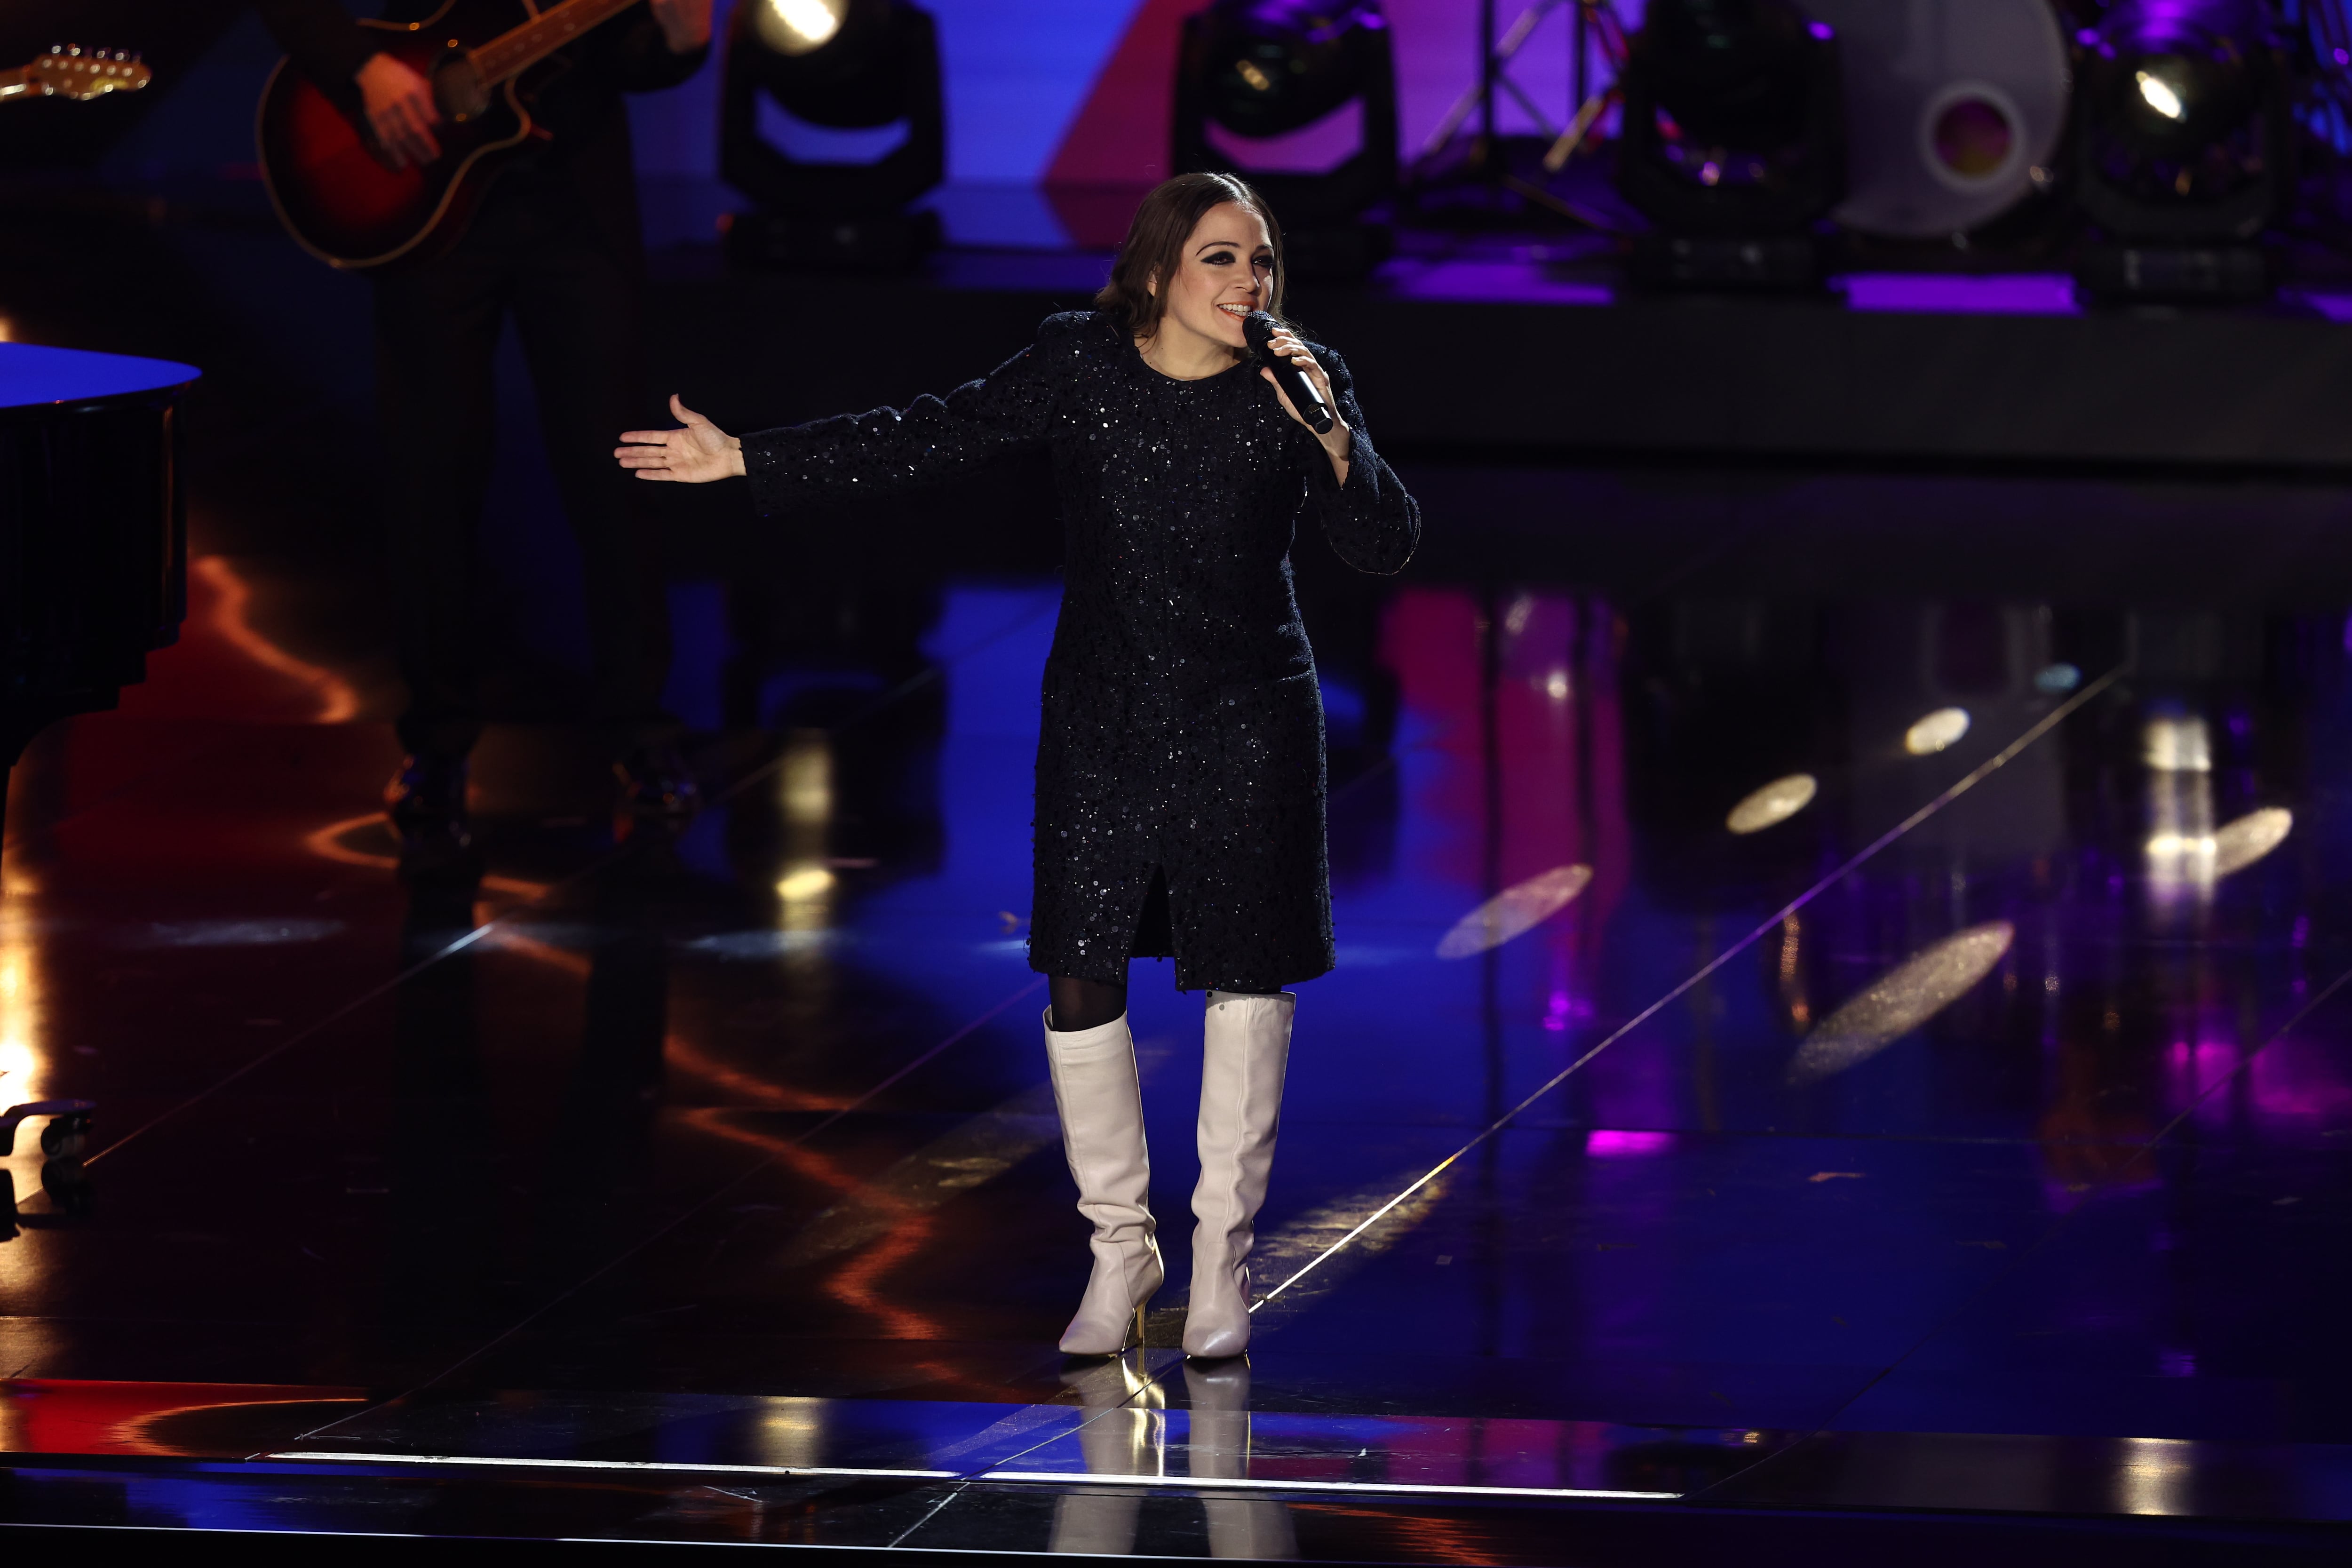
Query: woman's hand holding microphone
[[695, 453], [1285, 344]]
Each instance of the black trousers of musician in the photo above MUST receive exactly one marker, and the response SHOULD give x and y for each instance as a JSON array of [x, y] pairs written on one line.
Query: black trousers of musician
[[532, 251]]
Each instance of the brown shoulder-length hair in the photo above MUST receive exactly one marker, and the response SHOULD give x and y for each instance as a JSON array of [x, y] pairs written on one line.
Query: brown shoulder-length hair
[[1154, 247]]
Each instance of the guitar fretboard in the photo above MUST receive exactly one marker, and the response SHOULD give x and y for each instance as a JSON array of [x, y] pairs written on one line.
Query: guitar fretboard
[[517, 52]]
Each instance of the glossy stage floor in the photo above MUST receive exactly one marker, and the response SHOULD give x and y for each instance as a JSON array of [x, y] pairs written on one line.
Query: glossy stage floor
[[1842, 1047]]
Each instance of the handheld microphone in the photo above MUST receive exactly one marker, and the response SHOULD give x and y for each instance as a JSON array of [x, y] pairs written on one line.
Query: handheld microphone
[[1259, 327]]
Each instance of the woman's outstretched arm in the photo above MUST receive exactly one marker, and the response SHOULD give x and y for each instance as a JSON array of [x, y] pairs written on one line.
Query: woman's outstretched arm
[[1372, 523], [931, 440]]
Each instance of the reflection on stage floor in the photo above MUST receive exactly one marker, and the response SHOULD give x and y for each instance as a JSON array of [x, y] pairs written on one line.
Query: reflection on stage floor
[[1784, 1053]]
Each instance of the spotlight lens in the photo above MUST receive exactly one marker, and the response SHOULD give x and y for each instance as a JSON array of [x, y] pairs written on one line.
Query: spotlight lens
[[2158, 95], [1973, 139], [798, 27]]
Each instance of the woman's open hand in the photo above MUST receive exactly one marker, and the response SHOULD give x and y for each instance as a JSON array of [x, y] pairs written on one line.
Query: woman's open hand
[[1285, 344], [695, 453]]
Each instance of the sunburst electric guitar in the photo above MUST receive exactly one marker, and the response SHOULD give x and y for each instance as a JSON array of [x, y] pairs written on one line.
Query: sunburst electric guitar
[[68, 70], [341, 197]]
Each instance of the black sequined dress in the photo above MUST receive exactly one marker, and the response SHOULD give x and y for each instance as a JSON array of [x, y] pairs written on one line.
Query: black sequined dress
[[1182, 738]]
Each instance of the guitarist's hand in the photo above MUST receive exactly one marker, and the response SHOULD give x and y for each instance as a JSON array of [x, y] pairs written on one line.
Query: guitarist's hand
[[685, 23], [695, 453], [400, 110]]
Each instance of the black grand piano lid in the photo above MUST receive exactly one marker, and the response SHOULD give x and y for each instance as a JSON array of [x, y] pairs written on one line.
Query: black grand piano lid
[[31, 375]]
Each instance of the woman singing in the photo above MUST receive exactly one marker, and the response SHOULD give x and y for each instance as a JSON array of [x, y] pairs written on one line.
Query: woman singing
[[1180, 768]]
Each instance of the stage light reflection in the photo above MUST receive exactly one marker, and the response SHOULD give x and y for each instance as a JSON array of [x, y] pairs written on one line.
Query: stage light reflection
[[793, 1433], [2178, 753], [1319, 1250], [2057, 680], [1514, 911], [1936, 731], [23, 1067], [2238, 845], [1602, 1144], [1773, 804], [1916, 990], [2206, 857], [805, 779], [808, 882], [2155, 1475], [20, 1056], [2174, 744], [804, 883], [969, 1154]]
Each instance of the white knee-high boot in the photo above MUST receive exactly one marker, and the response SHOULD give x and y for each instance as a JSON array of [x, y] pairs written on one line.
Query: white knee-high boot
[[1100, 1098], [1244, 1048]]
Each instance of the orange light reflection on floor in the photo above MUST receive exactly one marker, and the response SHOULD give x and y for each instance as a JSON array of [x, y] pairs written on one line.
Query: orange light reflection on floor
[[233, 598], [854, 1283], [327, 843]]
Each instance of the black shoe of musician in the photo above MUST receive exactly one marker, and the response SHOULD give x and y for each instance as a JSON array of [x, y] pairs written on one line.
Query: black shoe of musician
[[426, 802], [656, 782]]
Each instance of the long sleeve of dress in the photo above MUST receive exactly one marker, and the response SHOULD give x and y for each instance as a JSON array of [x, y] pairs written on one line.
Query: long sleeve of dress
[[1372, 525], [931, 440]]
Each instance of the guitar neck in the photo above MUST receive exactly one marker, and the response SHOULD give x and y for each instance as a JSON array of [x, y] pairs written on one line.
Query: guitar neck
[[15, 83], [512, 53]]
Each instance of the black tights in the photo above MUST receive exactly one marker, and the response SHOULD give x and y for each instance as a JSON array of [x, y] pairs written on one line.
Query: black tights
[[1091, 1003]]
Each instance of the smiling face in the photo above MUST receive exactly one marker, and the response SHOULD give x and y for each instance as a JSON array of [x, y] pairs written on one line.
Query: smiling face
[[1224, 273]]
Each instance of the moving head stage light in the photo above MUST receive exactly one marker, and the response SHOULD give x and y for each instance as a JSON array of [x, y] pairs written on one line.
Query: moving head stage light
[[1955, 113], [2183, 148], [1263, 69], [837, 65], [1733, 141]]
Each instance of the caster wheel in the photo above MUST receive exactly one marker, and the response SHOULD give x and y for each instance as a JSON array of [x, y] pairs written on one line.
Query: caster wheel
[[65, 1135]]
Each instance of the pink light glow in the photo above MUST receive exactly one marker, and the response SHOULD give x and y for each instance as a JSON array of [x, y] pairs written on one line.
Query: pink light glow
[[2298, 1081], [1613, 1145]]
